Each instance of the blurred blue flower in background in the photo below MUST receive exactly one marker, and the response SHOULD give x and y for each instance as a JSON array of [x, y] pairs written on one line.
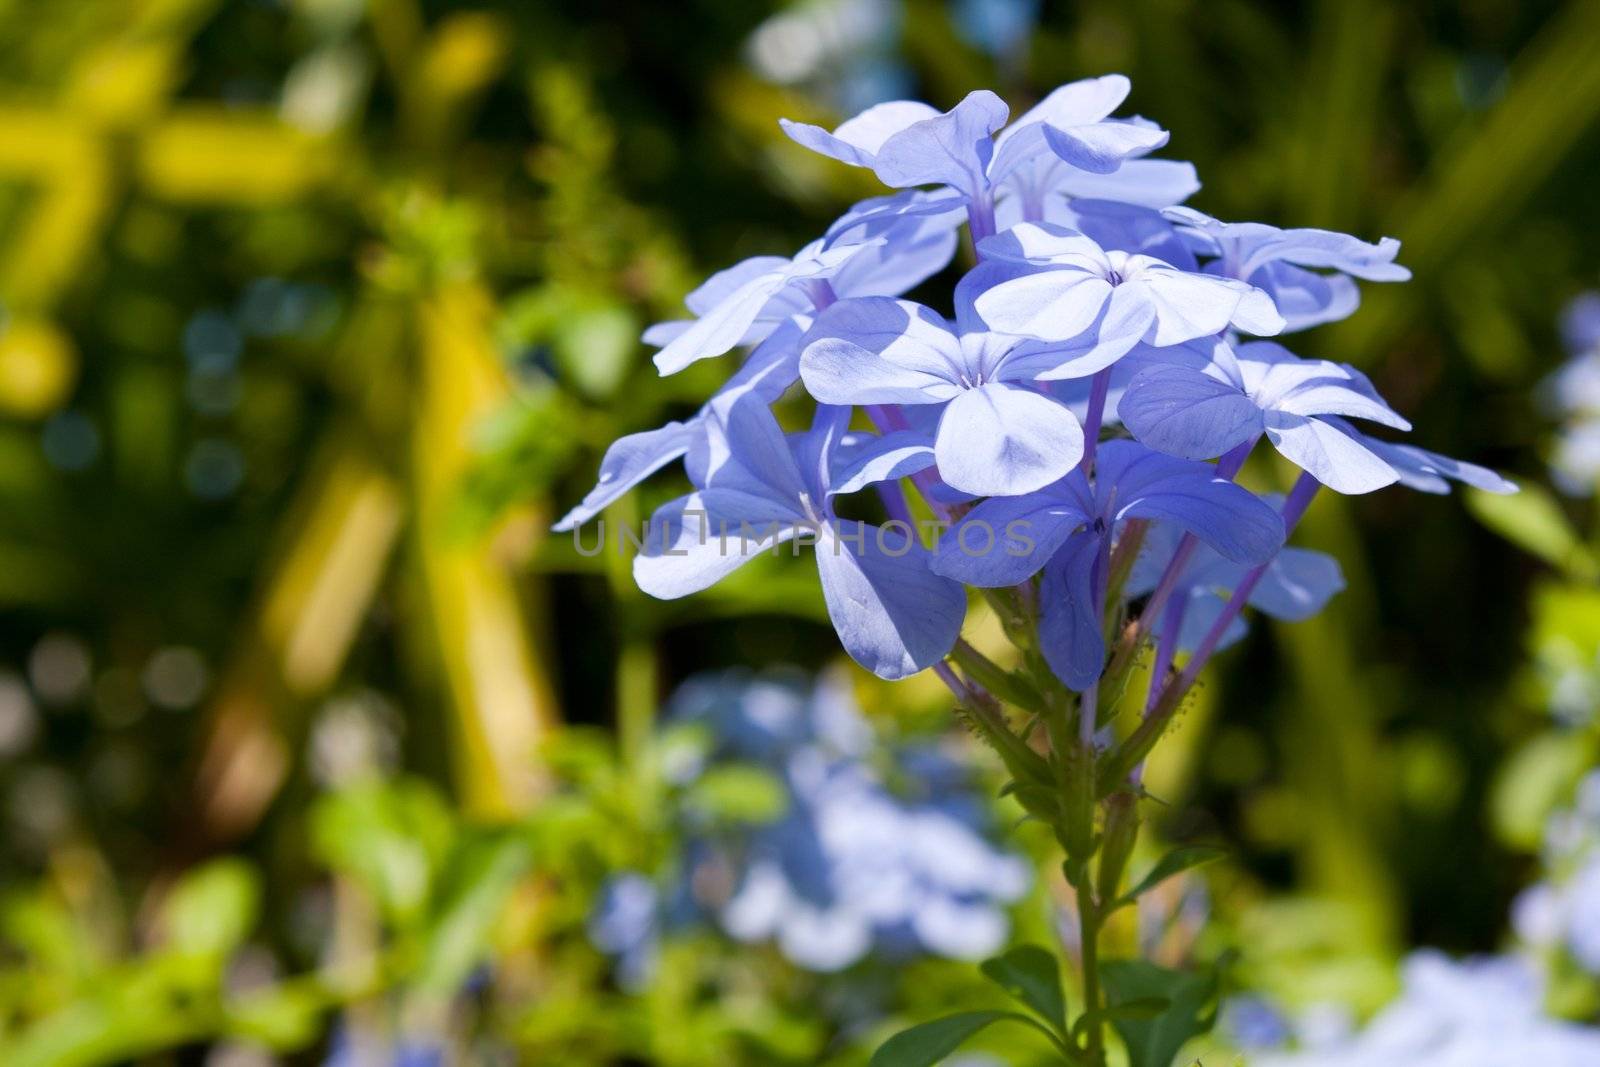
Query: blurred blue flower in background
[[352, 1048], [999, 27], [625, 925], [879, 849], [1562, 913], [1572, 394], [848, 52], [1474, 1013], [1254, 1024]]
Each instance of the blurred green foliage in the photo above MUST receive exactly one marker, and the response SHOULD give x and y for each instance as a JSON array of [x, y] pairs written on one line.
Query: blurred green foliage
[[317, 311]]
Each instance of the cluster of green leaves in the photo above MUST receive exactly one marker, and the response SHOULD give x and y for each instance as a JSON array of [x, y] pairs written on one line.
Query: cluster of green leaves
[[1156, 1011]]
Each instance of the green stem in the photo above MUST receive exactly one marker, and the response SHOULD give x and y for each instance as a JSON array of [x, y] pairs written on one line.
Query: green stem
[[1089, 954]]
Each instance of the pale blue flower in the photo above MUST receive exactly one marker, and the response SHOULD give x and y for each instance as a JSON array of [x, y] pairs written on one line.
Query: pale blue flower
[[1058, 147], [995, 435], [761, 490], [771, 369], [625, 923], [1262, 388], [1285, 263], [746, 302], [1111, 300]]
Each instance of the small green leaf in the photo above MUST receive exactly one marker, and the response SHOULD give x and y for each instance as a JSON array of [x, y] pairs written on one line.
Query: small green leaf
[[1532, 520], [739, 792], [927, 1044], [1174, 862], [486, 872], [213, 908], [1030, 974], [1534, 781], [283, 1017], [1187, 999], [1138, 1008]]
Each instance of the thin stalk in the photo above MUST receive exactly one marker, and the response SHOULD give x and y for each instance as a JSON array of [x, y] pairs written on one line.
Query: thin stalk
[[952, 681], [980, 219], [1139, 743], [1300, 497], [1088, 713], [1227, 467], [1166, 651], [1089, 962], [1166, 648], [1099, 386]]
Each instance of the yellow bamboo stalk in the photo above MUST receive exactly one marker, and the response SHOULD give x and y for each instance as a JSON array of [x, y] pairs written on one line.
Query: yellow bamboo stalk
[[500, 692]]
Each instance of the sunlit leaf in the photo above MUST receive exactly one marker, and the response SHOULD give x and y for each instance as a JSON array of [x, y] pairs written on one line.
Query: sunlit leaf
[[1031, 975]]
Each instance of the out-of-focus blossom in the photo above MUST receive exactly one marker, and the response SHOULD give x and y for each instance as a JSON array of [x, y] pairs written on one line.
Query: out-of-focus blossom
[[852, 867], [1477, 1013], [1252, 1024], [626, 924], [999, 27], [1561, 914], [357, 1048], [1572, 394]]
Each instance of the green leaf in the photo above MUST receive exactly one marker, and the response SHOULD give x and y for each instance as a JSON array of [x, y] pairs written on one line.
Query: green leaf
[[1031, 975], [284, 1017], [213, 908], [1014, 687], [1133, 985], [739, 792], [1139, 1008], [1533, 521], [391, 837], [485, 874], [1537, 778], [926, 1045], [1175, 862]]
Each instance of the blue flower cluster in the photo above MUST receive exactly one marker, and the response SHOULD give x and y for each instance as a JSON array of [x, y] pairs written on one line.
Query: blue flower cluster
[[1096, 301], [1561, 914], [850, 867], [1479, 1013]]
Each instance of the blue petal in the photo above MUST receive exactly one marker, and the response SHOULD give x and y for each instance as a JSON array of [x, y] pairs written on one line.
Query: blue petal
[[1050, 304], [1305, 298], [1140, 483], [911, 253], [1417, 468], [1336, 459], [879, 459], [951, 149], [1102, 147], [1004, 440], [858, 140], [1153, 183], [1187, 413], [1006, 540], [697, 540], [1069, 623], [629, 461], [1132, 228], [1297, 584], [894, 616]]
